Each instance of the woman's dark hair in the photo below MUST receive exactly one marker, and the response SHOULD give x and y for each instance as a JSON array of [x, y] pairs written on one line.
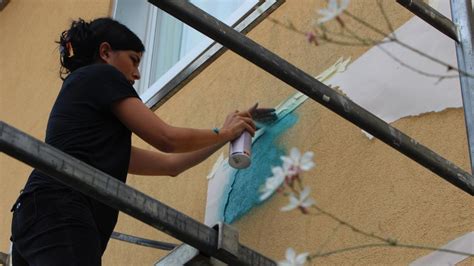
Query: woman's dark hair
[[79, 45]]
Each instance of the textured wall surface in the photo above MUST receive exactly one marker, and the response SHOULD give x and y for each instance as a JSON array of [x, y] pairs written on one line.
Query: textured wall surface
[[363, 181], [29, 78]]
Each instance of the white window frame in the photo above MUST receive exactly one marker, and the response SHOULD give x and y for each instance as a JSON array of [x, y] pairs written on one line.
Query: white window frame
[[153, 95]]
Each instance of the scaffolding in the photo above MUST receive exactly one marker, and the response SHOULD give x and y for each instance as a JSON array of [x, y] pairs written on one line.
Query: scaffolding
[[110, 191], [203, 244], [316, 90]]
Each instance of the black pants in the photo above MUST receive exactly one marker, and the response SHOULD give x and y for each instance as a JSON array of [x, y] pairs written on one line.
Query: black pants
[[54, 229]]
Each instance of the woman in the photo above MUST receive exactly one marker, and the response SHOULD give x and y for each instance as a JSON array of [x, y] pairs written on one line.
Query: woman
[[92, 120]]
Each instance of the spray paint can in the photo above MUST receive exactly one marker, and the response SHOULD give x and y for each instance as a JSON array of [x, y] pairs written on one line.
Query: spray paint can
[[240, 151]]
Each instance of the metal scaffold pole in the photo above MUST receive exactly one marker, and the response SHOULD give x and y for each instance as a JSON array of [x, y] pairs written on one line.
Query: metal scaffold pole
[[432, 17], [108, 190], [316, 90], [461, 11], [462, 32]]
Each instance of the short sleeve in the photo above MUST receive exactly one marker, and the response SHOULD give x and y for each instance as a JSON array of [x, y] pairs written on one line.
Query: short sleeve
[[112, 86]]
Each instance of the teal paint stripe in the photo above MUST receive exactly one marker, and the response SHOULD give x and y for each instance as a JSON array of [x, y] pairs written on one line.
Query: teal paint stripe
[[243, 193]]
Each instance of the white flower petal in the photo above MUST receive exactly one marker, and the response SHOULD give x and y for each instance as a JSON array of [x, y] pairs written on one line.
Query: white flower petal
[[289, 207], [332, 5], [344, 4], [294, 200], [305, 193], [286, 160], [324, 12], [302, 258], [265, 195], [295, 154], [287, 165], [270, 186], [278, 171], [334, 9], [290, 254], [267, 189], [278, 181], [307, 161], [307, 166], [307, 157], [325, 19], [274, 182], [308, 203]]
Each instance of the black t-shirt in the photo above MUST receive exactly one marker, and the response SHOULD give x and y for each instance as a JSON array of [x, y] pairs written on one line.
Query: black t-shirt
[[82, 124]]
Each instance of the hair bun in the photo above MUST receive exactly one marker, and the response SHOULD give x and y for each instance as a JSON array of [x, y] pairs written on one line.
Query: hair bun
[[76, 45], [79, 31], [79, 45]]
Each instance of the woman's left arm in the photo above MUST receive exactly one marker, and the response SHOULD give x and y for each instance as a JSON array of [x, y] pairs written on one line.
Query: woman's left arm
[[149, 127]]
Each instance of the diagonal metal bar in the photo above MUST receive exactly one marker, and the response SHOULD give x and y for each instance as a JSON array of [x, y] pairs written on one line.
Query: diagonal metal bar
[[432, 17], [316, 90], [461, 12], [108, 190], [142, 241]]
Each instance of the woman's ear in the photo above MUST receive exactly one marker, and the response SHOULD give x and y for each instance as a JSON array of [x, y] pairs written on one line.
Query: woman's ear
[[104, 51]]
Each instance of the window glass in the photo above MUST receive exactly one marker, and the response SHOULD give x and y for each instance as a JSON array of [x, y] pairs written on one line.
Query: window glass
[[174, 39], [174, 51]]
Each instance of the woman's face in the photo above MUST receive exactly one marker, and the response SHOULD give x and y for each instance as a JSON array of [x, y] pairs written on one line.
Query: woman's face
[[126, 61]]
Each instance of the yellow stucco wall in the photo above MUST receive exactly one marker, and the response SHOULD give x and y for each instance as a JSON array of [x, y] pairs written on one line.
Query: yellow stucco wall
[[365, 182], [29, 80]]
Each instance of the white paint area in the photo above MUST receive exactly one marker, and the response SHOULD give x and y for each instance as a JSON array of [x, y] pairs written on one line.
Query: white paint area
[[464, 243], [216, 189], [391, 91]]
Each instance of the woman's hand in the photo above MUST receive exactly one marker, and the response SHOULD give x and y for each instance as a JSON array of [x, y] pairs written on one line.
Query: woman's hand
[[236, 122]]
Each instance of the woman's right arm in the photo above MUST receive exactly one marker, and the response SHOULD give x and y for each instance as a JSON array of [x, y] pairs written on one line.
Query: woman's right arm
[[144, 123], [144, 162]]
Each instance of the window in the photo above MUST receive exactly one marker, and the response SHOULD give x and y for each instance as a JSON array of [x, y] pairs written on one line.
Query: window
[[175, 51]]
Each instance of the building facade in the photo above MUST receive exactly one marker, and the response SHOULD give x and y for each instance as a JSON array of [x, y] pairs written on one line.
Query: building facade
[[362, 181]]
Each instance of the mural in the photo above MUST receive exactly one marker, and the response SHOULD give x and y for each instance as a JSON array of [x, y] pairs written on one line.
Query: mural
[[231, 192]]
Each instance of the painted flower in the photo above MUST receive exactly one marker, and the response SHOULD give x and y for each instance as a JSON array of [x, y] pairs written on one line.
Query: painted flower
[[292, 259], [295, 163], [272, 183], [303, 202], [333, 10]]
